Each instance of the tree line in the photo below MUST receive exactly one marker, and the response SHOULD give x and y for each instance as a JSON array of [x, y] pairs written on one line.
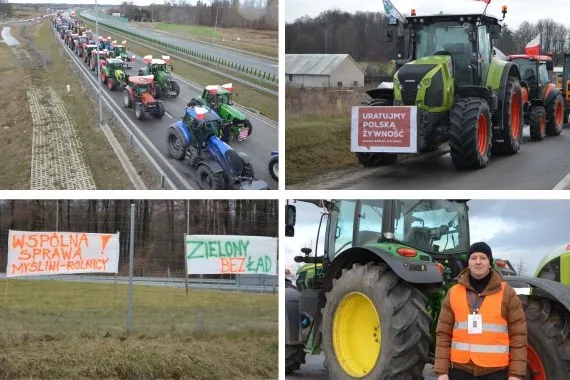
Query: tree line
[[160, 225], [362, 36], [223, 13]]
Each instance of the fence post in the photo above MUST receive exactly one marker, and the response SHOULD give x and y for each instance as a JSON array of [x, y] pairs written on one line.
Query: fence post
[[131, 270]]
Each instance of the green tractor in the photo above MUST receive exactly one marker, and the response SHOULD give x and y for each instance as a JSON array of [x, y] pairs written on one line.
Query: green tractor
[[113, 73], [163, 82], [120, 51], [555, 265], [219, 98], [371, 302], [453, 90]]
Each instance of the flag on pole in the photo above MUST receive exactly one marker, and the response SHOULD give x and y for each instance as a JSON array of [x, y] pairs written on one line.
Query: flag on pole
[[391, 11], [485, 1], [533, 47]]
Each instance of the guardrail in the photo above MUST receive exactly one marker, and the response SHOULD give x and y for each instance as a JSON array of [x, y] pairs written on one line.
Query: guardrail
[[196, 55]]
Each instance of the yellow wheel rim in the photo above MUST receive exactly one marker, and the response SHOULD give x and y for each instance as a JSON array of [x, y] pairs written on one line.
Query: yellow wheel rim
[[357, 334]]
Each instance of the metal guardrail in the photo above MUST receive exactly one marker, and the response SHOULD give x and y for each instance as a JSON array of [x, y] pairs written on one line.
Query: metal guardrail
[[272, 78]]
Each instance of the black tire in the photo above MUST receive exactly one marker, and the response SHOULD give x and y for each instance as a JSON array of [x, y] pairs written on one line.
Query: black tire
[[176, 144], [156, 91], [548, 334], [537, 122], [470, 145], [159, 113], [127, 102], [139, 111], [404, 322], [554, 128], [247, 124], [111, 84], [247, 171], [274, 167], [175, 88], [208, 180], [294, 357], [511, 135]]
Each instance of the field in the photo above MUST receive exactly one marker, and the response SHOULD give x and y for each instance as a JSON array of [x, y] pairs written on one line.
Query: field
[[57, 329]]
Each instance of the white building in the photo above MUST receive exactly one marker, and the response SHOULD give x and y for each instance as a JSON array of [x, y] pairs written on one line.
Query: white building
[[322, 70]]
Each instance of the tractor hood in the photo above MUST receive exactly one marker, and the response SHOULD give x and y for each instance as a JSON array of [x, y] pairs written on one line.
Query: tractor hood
[[163, 77], [228, 158], [226, 109]]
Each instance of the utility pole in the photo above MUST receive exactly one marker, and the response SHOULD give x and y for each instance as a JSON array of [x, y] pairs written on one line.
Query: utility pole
[[98, 66], [216, 22]]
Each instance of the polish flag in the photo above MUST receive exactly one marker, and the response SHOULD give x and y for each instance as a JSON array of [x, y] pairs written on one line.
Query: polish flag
[[533, 47], [485, 1]]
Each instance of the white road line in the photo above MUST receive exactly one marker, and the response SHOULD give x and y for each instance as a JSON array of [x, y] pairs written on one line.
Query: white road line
[[169, 115]]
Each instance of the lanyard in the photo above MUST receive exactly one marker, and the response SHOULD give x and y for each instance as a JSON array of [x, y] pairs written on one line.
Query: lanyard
[[474, 306]]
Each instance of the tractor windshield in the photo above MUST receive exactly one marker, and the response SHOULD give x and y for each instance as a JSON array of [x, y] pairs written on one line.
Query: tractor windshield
[[437, 226], [120, 49], [527, 68]]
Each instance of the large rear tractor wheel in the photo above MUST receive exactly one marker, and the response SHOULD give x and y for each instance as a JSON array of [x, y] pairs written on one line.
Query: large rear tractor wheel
[[555, 116], [210, 180], [156, 91], [548, 351], [273, 167], [537, 121], [375, 326], [139, 111], [159, 113], [176, 143], [175, 88], [111, 84], [511, 135], [470, 134], [294, 357]]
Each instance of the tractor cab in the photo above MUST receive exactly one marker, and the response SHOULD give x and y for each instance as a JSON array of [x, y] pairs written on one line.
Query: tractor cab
[[216, 95], [114, 64], [141, 84], [535, 70], [157, 65], [197, 116]]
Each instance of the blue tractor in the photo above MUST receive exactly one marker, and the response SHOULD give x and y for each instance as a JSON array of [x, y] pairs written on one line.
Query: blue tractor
[[218, 166]]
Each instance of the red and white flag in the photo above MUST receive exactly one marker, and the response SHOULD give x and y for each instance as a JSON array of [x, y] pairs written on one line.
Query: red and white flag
[[533, 47], [485, 1]]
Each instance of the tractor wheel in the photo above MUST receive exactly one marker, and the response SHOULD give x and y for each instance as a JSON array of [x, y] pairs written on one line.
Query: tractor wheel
[[103, 77], [548, 339], [127, 103], [139, 111], [111, 84], [208, 180], [156, 91], [294, 357], [274, 168], [537, 121], [159, 113], [555, 112], [247, 171], [176, 88], [176, 144], [512, 120], [247, 124], [470, 133], [375, 325]]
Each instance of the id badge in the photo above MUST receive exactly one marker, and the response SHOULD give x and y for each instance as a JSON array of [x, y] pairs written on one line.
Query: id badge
[[474, 324]]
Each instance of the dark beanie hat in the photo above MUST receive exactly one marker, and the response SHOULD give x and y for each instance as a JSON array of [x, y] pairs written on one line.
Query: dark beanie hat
[[483, 248]]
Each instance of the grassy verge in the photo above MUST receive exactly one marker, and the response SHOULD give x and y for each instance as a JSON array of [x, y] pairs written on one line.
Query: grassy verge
[[105, 167], [247, 96], [26, 13], [53, 329]]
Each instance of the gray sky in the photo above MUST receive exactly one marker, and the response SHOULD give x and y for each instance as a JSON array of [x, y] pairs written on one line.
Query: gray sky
[[518, 10], [516, 230]]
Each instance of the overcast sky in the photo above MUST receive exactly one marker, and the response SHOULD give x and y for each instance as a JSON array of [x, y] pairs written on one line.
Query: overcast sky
[[518, 10], [515, 229]]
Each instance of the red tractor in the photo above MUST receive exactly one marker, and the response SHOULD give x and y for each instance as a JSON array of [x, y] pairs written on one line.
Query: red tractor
[[543, 104], [137, 93]]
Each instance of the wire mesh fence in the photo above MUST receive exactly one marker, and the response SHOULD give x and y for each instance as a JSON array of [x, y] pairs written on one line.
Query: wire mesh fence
[[48, 322]]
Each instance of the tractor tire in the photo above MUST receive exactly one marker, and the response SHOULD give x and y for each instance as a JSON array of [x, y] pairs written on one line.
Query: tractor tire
[[156, 91], [555, 116], [470, 134], [111, 84], [103, 77], [294, 357], [176, 144], [548, 352], [139, 111], [127, 103], [537, 121], [247, 124], [208, 180], [273, 167], [247, 170], [371, 298], [511, 135], [176, 88], [159, 113]]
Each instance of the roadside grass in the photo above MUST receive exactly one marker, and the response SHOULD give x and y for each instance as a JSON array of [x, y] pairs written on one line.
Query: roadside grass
[[246, 96], [58, 329], [98, 154], [317, 133], [26, 13]]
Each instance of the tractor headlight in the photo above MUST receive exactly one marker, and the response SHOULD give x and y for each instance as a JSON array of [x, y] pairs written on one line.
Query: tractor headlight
[[419, 86], [388, 236], [401, 87]]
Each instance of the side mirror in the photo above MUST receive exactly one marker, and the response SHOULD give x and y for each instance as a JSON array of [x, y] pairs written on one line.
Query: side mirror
[[388, 35], [495, 31], [290, 220], [549, 65]]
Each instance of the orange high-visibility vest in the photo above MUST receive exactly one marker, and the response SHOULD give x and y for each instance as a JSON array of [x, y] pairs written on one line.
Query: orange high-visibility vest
[[489, 349]]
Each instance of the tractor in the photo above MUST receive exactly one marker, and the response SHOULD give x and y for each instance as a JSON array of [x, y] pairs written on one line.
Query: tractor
[[451, 89], [113, 74], [371, 301], [88, 48], [120, 51], [219, 98], [543, 104], [563, 84], [163, 82], [80, 42], [137, 94], [93, 59], [555, 265]]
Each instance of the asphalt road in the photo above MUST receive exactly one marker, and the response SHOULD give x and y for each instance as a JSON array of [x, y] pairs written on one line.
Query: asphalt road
[[267, 65], [537, 166], [314, 369], [258, 146]]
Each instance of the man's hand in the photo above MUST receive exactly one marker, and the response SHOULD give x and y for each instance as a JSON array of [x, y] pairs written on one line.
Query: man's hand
[[446, 377]]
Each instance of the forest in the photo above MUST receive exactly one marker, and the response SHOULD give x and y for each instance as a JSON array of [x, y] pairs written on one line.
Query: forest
[[160, 225]]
